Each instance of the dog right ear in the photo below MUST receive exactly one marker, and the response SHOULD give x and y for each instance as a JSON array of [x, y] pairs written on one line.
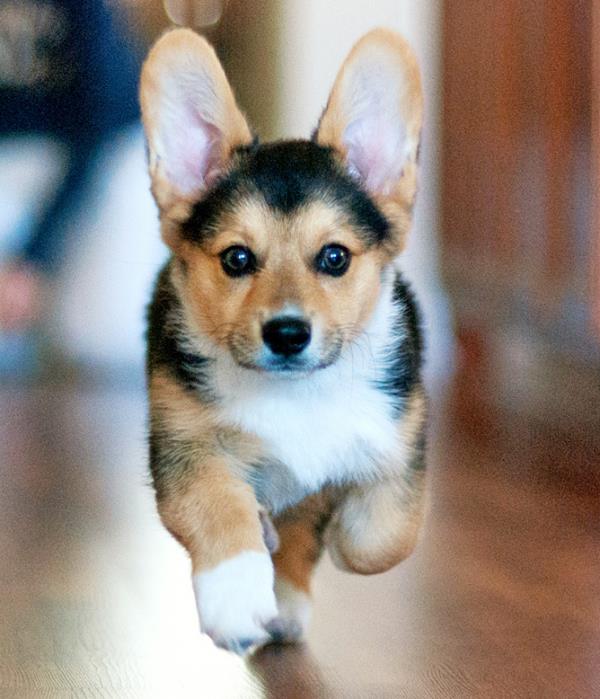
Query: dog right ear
[[373, 121], [191, 120]]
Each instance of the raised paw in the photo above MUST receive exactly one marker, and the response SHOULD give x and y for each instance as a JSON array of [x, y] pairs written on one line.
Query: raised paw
[[236, 601], [294, 609]]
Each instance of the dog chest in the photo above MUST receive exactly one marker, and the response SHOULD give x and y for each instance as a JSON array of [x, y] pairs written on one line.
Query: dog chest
[[319, 431]]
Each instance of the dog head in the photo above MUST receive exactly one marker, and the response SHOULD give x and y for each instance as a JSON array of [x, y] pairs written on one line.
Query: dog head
[[280, 248]]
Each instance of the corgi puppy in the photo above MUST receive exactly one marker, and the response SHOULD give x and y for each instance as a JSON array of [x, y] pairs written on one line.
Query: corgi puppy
[[287, 412]]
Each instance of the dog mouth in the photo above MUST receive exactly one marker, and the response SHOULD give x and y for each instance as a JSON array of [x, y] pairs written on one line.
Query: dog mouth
[[286, 367], [295, 366]]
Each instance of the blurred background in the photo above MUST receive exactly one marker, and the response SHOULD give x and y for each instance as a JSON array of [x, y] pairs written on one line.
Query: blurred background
[[78, 231], [504, 252]]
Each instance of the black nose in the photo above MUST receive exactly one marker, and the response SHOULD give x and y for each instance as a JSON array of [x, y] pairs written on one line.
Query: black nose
[[286, 336]]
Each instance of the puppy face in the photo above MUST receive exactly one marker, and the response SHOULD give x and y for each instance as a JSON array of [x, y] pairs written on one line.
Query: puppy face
[[281, 247], [283, 258]]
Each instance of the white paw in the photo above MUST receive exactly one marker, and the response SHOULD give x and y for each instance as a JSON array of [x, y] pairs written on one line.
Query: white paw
[[236, 600], [294, 609]]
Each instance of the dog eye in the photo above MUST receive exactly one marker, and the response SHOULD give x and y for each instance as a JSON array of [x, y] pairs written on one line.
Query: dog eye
[[238, 260], [333, 260]]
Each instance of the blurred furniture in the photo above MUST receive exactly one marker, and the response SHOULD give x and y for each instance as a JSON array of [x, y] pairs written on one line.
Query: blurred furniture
[[66, 73], [520, 249]]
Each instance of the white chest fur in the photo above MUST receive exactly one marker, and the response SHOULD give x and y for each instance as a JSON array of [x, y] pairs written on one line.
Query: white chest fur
[[319, 432], [334, 425]]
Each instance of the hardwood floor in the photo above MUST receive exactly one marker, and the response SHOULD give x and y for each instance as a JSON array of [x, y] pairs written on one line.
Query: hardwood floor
[[501, 599]]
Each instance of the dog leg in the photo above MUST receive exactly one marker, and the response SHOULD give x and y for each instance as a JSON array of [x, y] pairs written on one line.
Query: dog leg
[[300, 531], [216, 518], [377, 525], [208, 507]]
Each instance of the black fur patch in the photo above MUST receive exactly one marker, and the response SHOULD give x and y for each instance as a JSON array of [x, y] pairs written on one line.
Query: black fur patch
[[287, 175], [171, 460], [417, 463], [165, 345], [402, 372]]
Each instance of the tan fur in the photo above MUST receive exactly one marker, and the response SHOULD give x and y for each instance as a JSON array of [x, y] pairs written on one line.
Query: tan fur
[[377, 524], [182, 52], [297, 554], [414, 416], [215, 517], [180, 413]]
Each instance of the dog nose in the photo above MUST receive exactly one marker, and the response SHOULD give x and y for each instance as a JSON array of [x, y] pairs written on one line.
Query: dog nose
[[286, 336]]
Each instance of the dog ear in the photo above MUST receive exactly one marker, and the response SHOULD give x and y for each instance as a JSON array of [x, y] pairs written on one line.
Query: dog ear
[[190, 116], [373, 118]]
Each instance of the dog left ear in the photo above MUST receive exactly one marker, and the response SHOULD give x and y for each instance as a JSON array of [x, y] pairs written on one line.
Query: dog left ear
[[191, 119], [373, 118]]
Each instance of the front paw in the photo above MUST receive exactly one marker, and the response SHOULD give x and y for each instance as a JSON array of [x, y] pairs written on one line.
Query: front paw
[[236, 600]]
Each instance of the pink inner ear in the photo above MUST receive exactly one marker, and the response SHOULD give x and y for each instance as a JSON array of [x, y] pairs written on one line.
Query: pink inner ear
[[192, 152], [375, 152]]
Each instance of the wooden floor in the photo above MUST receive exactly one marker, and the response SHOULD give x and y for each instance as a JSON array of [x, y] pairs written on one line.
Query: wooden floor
[[502, 598]]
